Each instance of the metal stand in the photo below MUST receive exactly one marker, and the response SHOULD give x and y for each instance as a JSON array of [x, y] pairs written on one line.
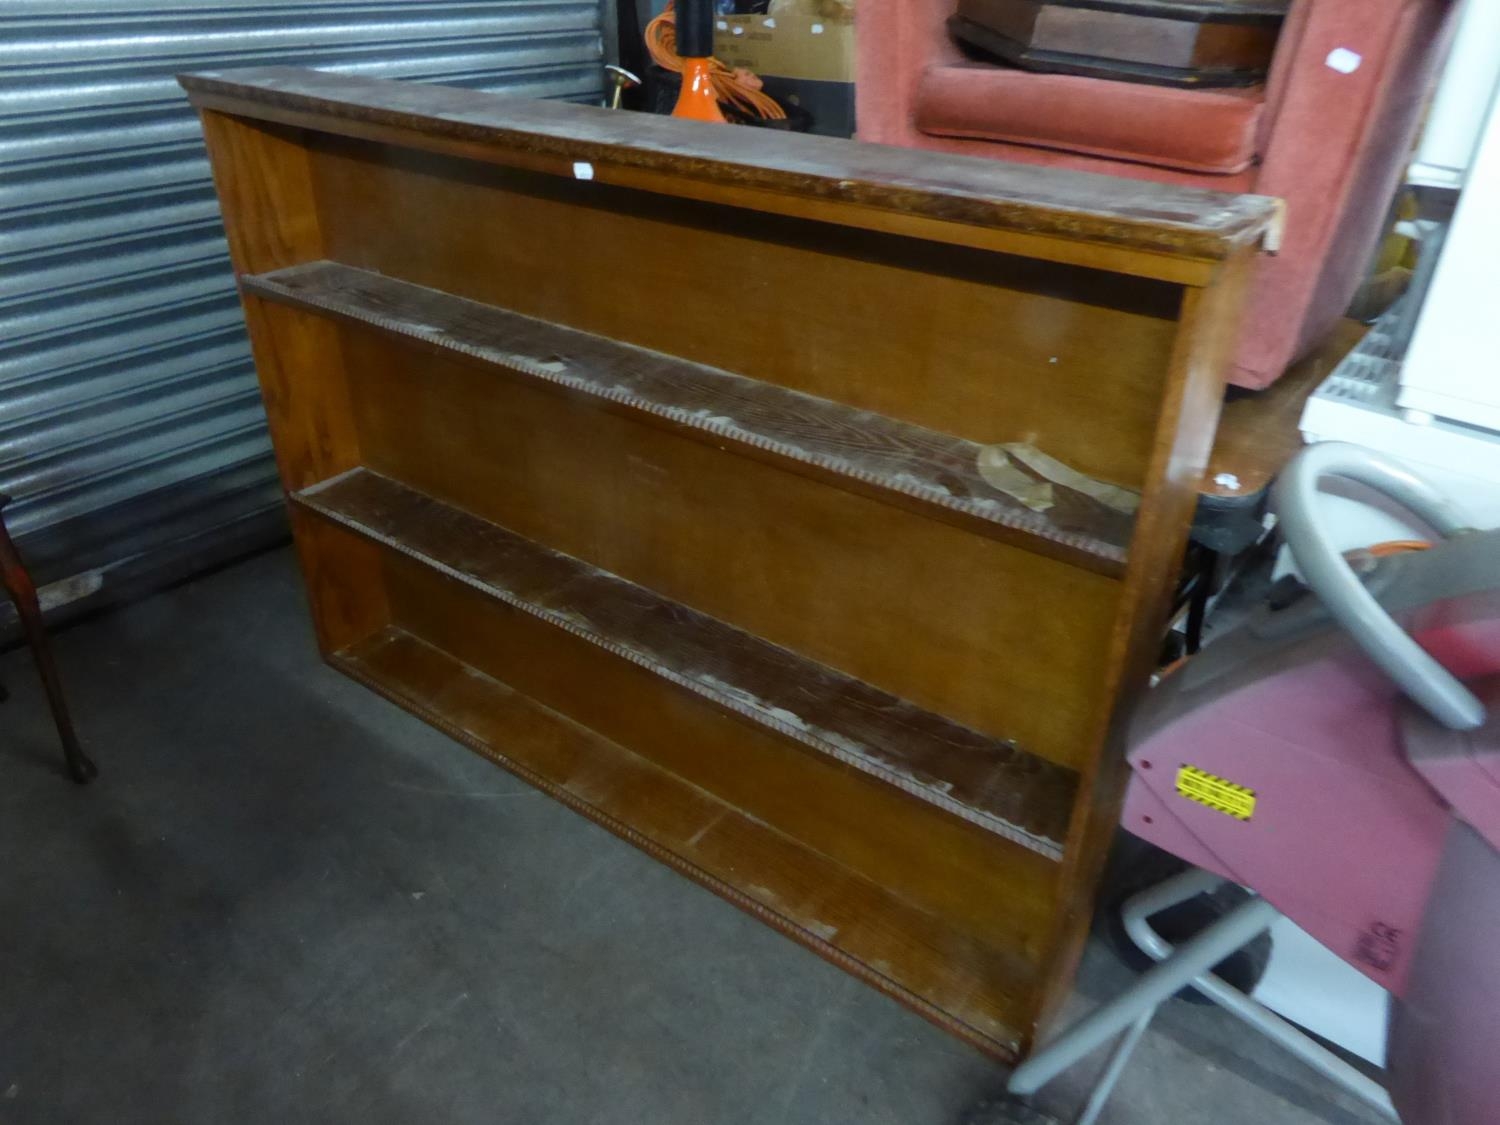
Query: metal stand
[[1130, 1013], [23, 593]]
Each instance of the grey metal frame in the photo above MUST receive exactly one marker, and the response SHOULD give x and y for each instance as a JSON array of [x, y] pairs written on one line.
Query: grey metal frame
[[1186, 966], [1328, 575]]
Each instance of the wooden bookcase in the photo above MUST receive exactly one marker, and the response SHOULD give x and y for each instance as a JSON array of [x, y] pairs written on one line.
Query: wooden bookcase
[[640, 456]]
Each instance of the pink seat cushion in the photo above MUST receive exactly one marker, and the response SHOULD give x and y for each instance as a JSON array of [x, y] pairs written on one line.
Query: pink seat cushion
[[1208, 131]]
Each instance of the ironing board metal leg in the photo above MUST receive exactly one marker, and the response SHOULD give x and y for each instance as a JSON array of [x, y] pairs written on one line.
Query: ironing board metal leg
[[1136, 914], [1192, 960], [1168, 893], [1118, 1057]]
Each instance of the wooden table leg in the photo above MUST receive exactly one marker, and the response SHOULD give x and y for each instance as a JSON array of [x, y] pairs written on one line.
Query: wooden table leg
[[23, 593]]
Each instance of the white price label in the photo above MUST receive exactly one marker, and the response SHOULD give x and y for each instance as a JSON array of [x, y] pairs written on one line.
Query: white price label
[[1343, 60]]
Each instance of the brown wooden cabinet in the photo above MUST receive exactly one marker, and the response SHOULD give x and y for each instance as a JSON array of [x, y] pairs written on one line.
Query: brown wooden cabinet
[[642, 457]]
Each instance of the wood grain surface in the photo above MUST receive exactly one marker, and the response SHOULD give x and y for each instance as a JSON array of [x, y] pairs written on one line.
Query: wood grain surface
[[1041, 201], [994, 784], [1260, 430], [985, 346], [1233, 47], [980, 884], [1204, 11], [869, 449], [851, 921], [1009, 642]]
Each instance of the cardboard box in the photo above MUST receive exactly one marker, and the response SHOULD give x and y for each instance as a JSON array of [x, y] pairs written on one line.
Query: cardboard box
[[803, 50]]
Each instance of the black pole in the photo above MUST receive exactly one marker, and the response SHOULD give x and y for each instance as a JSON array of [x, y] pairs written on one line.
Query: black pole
[[695, 29]]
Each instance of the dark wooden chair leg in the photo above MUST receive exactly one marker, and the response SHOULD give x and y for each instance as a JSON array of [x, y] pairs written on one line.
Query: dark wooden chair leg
[[23, 593]]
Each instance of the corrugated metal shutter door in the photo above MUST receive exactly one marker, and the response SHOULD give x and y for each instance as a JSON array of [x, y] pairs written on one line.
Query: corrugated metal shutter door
[[131, 432]]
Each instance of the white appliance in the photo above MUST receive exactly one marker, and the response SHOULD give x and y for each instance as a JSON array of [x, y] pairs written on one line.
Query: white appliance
[[1360, 402], [1462, 100], [1452, 367]]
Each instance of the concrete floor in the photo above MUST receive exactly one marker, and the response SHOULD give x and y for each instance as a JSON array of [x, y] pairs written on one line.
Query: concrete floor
[[287, 901]]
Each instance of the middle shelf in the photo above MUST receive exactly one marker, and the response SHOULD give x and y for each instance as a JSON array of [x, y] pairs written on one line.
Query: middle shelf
[[986, 781], [898, 461]]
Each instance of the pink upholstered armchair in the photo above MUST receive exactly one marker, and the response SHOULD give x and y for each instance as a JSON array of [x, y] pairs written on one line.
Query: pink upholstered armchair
[[1328, 133]]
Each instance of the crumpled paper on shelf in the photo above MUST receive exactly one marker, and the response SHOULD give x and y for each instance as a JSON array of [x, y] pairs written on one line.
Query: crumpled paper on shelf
[[1042, 483], [999, 471]]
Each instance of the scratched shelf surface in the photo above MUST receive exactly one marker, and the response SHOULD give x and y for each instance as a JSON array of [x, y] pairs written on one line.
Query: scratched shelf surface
[[865, 450], [985, 781], [1028, 199]]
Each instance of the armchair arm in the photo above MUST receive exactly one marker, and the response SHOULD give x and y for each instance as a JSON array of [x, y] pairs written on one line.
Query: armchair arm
[[895, 41]]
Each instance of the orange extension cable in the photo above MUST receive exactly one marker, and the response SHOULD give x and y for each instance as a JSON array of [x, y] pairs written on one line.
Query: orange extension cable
[[739, 87], [1397, 547]]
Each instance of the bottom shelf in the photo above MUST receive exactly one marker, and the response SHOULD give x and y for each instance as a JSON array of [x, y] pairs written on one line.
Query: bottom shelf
[[839, 915]]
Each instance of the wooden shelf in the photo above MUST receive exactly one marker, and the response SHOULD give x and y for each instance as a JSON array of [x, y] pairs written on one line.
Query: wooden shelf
[[993, 784], [838, 914], [1259, 431], [890, 722], [857, 449]]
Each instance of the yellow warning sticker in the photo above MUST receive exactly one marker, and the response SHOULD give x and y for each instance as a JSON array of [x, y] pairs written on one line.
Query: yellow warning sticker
[[1216, 792]]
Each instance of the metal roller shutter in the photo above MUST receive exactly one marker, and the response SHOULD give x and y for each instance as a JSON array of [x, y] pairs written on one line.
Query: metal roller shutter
[[131, 431]]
